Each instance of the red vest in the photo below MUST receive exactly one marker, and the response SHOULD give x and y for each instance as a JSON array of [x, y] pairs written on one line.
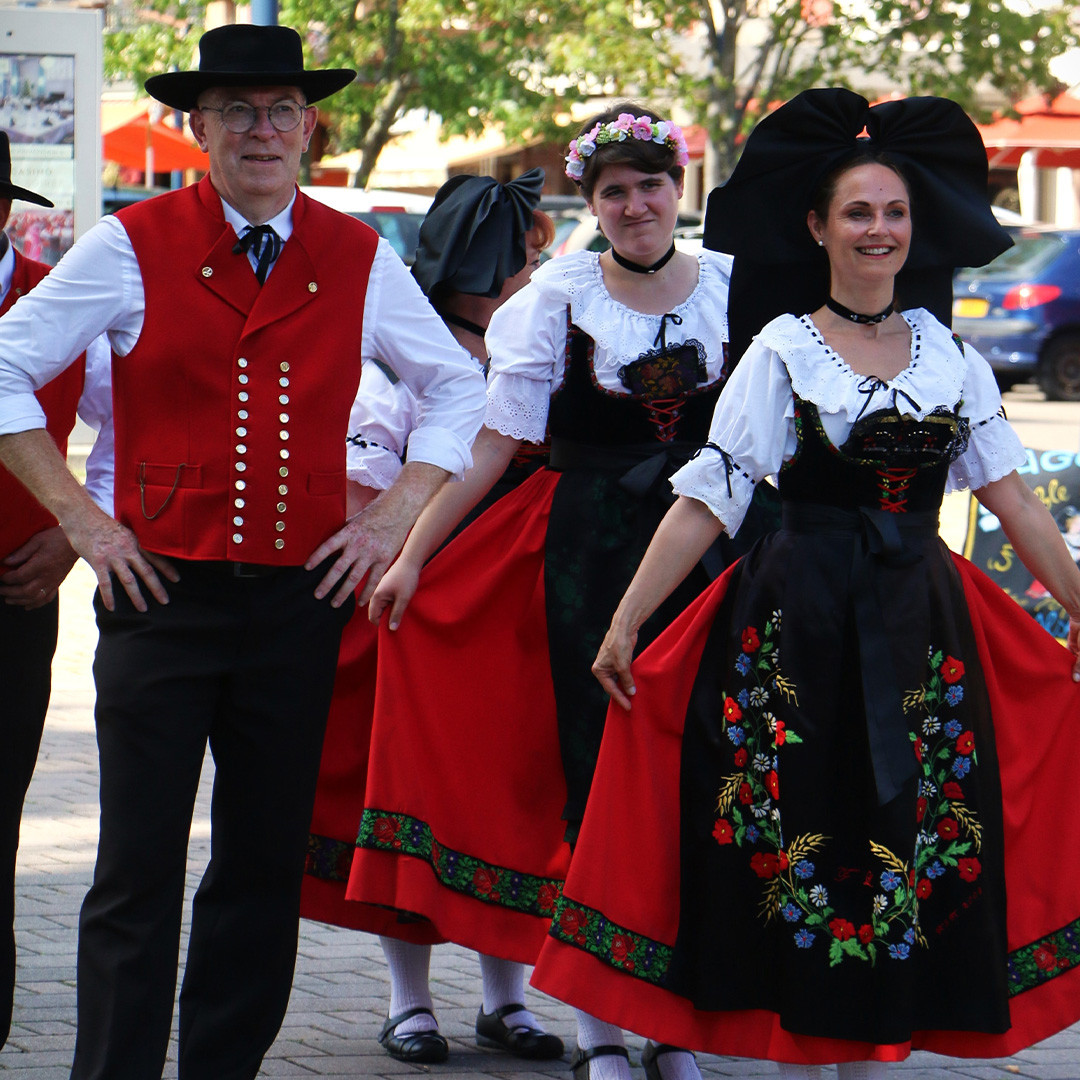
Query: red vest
[[232, 409], [21, 515]]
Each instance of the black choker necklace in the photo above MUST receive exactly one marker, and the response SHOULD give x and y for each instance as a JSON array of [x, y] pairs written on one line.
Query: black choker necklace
[[465, 324], [855, 317], [637, 268]]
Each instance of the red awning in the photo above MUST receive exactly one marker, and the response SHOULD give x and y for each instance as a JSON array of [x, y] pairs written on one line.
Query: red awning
[[695, 137], [1047, 127], [1063, 104], [130, 143]]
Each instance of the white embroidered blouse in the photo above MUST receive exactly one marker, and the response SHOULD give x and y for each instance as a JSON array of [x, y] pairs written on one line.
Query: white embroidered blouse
[[754, 420], [527, 335]]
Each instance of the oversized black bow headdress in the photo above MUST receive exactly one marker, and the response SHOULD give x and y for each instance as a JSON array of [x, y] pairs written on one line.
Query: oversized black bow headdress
[[759, 215], [473, 237]]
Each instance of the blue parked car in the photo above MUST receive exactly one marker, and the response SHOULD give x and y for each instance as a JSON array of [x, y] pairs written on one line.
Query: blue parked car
[[1022, 311]]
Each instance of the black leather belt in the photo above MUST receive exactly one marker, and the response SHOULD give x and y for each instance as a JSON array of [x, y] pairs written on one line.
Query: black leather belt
[[253, 570]]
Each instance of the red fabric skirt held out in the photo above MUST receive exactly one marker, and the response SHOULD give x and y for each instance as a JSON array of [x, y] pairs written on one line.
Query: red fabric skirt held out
[[339, 798], [465, 787], [626, 862]]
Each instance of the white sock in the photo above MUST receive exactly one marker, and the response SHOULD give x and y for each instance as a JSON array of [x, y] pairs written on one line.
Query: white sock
[[504, 984], [409, 964], [861, 1070], [593, 1033], [799, 1072], [678, 1065]]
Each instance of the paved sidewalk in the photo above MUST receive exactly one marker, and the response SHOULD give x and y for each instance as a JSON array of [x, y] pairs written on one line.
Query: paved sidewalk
[[341, 988]]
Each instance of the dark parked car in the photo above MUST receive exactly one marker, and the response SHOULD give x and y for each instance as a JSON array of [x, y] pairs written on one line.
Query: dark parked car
[[1022, 311]]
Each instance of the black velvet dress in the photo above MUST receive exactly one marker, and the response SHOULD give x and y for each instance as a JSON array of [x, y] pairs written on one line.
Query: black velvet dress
[[841, 800]]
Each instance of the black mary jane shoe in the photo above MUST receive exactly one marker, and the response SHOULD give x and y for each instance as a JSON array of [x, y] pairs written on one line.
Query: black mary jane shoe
[[494, 1033], [419, 1047], [653, 1051], [579, 1059]]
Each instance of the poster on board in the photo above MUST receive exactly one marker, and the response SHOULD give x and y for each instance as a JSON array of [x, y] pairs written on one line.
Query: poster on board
[[50, 94], [1054, 476]]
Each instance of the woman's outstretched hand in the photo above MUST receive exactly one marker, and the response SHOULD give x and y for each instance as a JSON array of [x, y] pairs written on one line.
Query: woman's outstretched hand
[[394, 592], [612, 666]]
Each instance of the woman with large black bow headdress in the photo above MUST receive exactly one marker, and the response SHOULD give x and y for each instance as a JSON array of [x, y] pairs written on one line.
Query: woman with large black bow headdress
[[853, 738]]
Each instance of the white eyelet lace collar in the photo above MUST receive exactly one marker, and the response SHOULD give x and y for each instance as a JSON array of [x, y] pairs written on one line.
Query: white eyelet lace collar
[[935, 373]]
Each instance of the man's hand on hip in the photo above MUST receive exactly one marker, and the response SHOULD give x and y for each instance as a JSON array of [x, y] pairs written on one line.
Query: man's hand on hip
[[111, 548], [104, 543], [371, 539], [36, 569]]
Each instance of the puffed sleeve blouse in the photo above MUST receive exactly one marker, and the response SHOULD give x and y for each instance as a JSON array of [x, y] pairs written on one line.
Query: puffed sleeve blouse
[[754, 420], [526, 338]]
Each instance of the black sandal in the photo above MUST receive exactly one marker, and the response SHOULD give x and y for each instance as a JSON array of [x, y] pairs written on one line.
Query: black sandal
[[494, 1033], [652, 1051], [420, 1047], [579, 1059]]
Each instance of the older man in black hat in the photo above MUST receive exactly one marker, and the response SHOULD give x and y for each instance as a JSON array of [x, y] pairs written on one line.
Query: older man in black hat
[[239, 314], [34, 558]]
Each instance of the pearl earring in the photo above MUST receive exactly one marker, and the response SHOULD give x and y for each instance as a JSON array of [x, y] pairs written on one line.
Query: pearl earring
[[821, 243]]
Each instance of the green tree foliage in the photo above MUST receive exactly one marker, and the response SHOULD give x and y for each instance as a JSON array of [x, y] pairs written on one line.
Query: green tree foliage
[[761, 52], [523, 63], [160, 36], [520, 63]]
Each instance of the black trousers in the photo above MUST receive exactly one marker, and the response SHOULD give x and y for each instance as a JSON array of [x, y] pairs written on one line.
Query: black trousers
[[247, 665], [27, 644]]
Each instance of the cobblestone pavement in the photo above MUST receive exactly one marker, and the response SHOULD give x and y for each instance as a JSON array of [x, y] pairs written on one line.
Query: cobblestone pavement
[[341, 988]]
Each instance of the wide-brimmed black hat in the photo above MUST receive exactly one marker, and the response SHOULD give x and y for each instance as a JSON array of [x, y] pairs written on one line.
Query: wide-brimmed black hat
[[8, 190], [759, 214], [243, 55], [473, 237]]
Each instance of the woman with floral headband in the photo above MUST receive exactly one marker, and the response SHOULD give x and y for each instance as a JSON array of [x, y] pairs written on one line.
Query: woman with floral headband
[[488, 720], [854, 740]]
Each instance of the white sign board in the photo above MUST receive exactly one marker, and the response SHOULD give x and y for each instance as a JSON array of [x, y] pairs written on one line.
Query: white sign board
[[50, 109]]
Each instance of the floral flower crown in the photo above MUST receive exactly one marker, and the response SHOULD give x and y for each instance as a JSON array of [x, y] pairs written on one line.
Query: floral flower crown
[[627, 126]]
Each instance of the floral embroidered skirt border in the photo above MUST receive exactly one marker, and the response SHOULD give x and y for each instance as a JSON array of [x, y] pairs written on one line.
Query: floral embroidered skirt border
[[487, 719], [339, 798], [709, 915]]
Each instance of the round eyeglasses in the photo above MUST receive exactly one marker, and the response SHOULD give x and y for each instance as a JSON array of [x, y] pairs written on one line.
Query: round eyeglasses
[[240, 117]]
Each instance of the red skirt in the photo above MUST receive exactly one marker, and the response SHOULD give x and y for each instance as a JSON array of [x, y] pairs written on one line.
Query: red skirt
[[465, 784], [339, 798], [626, 866]]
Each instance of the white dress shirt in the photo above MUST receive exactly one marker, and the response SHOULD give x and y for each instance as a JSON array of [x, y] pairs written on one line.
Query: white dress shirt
[[97, 289], [95, 407]]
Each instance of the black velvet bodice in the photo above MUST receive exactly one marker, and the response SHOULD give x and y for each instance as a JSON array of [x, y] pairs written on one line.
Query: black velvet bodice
[[889, 461], [671, 400]]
